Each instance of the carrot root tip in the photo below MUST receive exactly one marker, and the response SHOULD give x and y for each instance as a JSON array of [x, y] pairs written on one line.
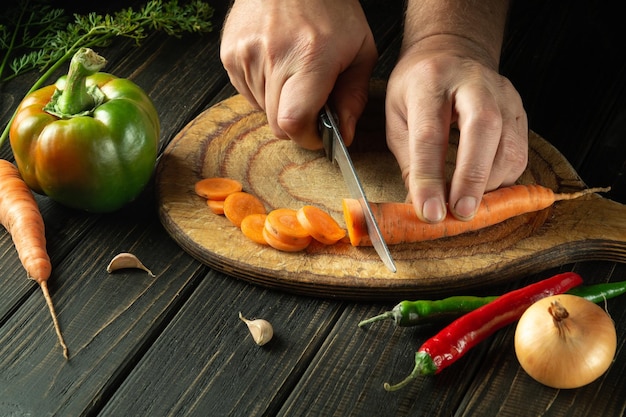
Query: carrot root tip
[[55, 321]]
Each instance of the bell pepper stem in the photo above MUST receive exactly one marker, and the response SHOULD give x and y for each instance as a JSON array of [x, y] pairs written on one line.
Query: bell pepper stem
[[41, 80], [77, 97]]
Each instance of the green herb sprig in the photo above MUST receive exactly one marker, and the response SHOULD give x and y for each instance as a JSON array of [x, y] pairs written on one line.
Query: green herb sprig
[[41, 39], [34, 28]]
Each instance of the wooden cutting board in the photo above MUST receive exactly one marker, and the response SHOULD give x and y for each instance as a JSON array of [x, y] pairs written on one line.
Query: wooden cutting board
[[232, 139]]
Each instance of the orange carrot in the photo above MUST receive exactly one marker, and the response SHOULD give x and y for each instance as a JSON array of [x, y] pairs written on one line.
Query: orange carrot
[[240, 204], [320, 225], [252, 227], [283, 224], [216, 206], [20, 215], [399, 223], [217, 188], [293, 245]]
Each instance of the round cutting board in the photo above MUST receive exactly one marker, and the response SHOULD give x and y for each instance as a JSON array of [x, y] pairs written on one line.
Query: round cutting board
[[232, 139]]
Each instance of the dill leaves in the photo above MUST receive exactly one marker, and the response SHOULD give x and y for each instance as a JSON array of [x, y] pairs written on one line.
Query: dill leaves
[[34, 35]]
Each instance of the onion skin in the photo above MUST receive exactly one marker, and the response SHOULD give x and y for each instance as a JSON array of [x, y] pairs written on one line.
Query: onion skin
[[567, 354]]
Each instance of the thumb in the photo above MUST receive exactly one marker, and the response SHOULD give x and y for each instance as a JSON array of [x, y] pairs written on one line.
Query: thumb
[[302, 97]]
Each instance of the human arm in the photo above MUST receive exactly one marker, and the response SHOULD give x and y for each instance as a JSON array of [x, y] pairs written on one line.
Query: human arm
[[289, 56], [447, 73]]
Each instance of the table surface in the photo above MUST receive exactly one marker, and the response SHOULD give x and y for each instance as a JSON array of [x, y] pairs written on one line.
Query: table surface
[[173, 345]]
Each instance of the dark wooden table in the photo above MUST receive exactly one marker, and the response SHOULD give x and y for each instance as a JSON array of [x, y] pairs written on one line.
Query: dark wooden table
[[174, 346]]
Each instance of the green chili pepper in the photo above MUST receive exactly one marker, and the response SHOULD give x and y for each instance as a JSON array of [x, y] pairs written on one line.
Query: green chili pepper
[[598, 293], [89, 141], [411, 313]]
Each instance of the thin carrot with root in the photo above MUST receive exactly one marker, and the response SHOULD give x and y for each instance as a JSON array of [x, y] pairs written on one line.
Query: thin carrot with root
[[20, 215], [399, 223]]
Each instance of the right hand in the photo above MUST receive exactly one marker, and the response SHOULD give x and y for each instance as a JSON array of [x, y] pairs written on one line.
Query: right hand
[[444, 80], [288, 56]]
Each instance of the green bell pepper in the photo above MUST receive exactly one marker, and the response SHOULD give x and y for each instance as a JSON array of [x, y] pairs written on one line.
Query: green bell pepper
[[89, 141]]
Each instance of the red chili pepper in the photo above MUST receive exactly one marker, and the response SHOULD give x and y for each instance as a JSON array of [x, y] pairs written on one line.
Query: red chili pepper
[[456, 339]]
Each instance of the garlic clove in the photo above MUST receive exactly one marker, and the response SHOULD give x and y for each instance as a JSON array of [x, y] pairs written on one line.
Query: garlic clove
[[126, 260], [260, 329]]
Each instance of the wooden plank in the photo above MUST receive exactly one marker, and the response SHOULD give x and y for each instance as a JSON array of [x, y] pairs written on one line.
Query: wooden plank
[[217, 368], [107, 319], [347, 375], [64, 229]]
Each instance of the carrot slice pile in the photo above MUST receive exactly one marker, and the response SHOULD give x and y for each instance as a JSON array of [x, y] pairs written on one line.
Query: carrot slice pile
[[284, 229], [217, 188], [240, 204], [320, 225]]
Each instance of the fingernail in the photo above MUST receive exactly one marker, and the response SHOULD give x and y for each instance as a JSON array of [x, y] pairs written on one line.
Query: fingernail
[[433, 210], [465, 207]]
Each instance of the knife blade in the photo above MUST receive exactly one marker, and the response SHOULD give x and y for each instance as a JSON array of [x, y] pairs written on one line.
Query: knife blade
[[336, 151]]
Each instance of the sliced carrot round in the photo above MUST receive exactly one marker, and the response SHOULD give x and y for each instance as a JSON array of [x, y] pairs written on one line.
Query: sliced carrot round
[[216, 206], [284, 246], [217, 188], [241, 204], [320, 225], [283, 223], [252, 227]]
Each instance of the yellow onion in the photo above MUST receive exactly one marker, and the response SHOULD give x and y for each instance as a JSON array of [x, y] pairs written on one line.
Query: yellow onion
[[565, 341]]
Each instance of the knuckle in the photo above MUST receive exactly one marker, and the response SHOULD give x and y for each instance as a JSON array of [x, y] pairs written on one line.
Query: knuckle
[[516, 159], [290, 124], [515, 152], [486, 119], [432, 69], [474, 175]]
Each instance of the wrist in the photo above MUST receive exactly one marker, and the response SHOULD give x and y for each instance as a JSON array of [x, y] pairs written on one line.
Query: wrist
[[452, 44], [475, 29]]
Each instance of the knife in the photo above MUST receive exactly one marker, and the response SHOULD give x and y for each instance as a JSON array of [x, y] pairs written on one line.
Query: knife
[[336, 151]]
